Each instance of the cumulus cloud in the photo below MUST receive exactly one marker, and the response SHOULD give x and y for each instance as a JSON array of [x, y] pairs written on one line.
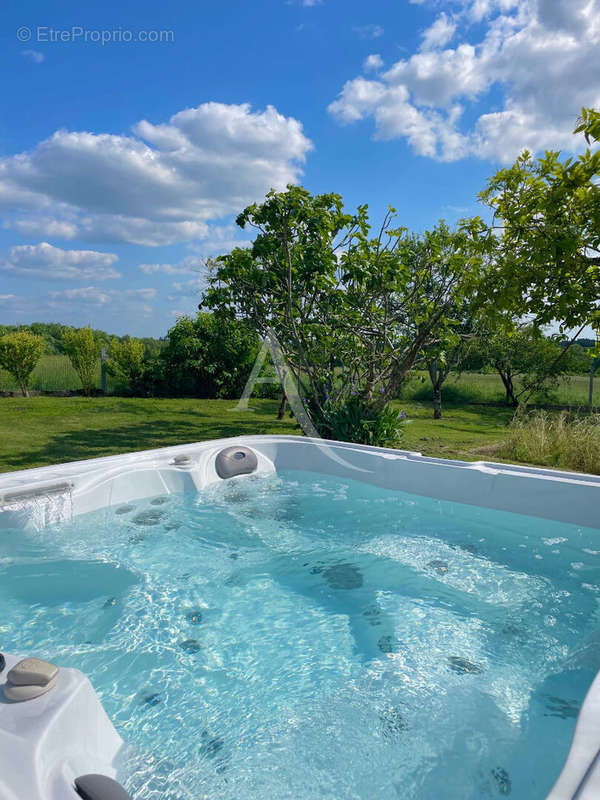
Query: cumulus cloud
[[373, 62], [159, 185], [539, 56], [51, 263], [438, 34], [186, 266]]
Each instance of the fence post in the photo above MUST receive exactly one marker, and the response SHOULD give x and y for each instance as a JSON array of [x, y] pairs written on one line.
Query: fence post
[[103, 370]]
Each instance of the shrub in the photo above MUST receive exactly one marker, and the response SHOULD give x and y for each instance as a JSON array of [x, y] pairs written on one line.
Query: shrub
[[83, 349], [356, 420], [19, 355], [209, 356], [559, 440], [126, 360]]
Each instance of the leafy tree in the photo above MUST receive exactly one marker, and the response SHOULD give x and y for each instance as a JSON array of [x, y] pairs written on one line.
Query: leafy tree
[[456, 351], [353, 312], [126, 359], [525, 356], [209, 356], [83, 348], [547, 224], [19, 354]]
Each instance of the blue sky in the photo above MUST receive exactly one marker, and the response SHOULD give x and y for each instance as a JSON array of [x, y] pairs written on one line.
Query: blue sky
[[123, 164]]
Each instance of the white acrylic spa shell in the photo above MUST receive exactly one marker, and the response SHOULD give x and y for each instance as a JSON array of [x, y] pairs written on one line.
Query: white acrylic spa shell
[[45, 743]]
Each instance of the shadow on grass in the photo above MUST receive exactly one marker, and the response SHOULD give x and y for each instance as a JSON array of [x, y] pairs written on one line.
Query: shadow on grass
[[80, 444]]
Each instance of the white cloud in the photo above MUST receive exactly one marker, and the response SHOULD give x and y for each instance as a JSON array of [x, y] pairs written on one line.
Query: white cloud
[[369, 31], [34, 55], [130, 311], [373, 62], [438, 34], [539, 56], [186, 266], [187, 288], [101, 297], [128, 304], [159, 186], [51, 263], [222, 239]]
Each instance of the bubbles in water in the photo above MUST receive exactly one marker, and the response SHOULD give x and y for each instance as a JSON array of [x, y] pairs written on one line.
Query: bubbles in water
[[392, 723]]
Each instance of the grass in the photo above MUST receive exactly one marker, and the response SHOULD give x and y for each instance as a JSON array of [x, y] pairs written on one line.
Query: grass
[[476, 387], [52, 430], [555, 440], [469, 433], [54, 373]]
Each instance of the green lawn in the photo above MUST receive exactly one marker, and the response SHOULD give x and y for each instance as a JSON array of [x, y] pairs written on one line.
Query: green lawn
[[50, 430]]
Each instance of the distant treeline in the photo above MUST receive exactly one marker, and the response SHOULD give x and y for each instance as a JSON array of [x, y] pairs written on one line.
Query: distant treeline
[[52, 334]]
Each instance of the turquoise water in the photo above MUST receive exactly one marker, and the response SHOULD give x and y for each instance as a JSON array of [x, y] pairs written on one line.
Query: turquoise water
[[300, 636]]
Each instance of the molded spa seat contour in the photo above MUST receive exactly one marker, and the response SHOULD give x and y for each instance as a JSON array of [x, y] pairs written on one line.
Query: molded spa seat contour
[[99, 787], [45, 743]]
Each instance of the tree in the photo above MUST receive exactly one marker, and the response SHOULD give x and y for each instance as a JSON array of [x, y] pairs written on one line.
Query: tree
[[523, 354], [19, 355], [455, 352], [126, 359], [547, 224], [352, 312], [83, 348], [209, 356]]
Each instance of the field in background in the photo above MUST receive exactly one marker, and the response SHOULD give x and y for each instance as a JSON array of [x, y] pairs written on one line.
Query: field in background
[[55, 374], [471, 387]]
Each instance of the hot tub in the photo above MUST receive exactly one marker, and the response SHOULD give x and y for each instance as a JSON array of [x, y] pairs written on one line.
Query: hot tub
[[333, 621]]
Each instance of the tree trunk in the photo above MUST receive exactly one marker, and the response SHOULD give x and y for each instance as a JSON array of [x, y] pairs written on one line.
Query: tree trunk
[[438, 376], [506, 377], [437, 402], [281, 412]]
